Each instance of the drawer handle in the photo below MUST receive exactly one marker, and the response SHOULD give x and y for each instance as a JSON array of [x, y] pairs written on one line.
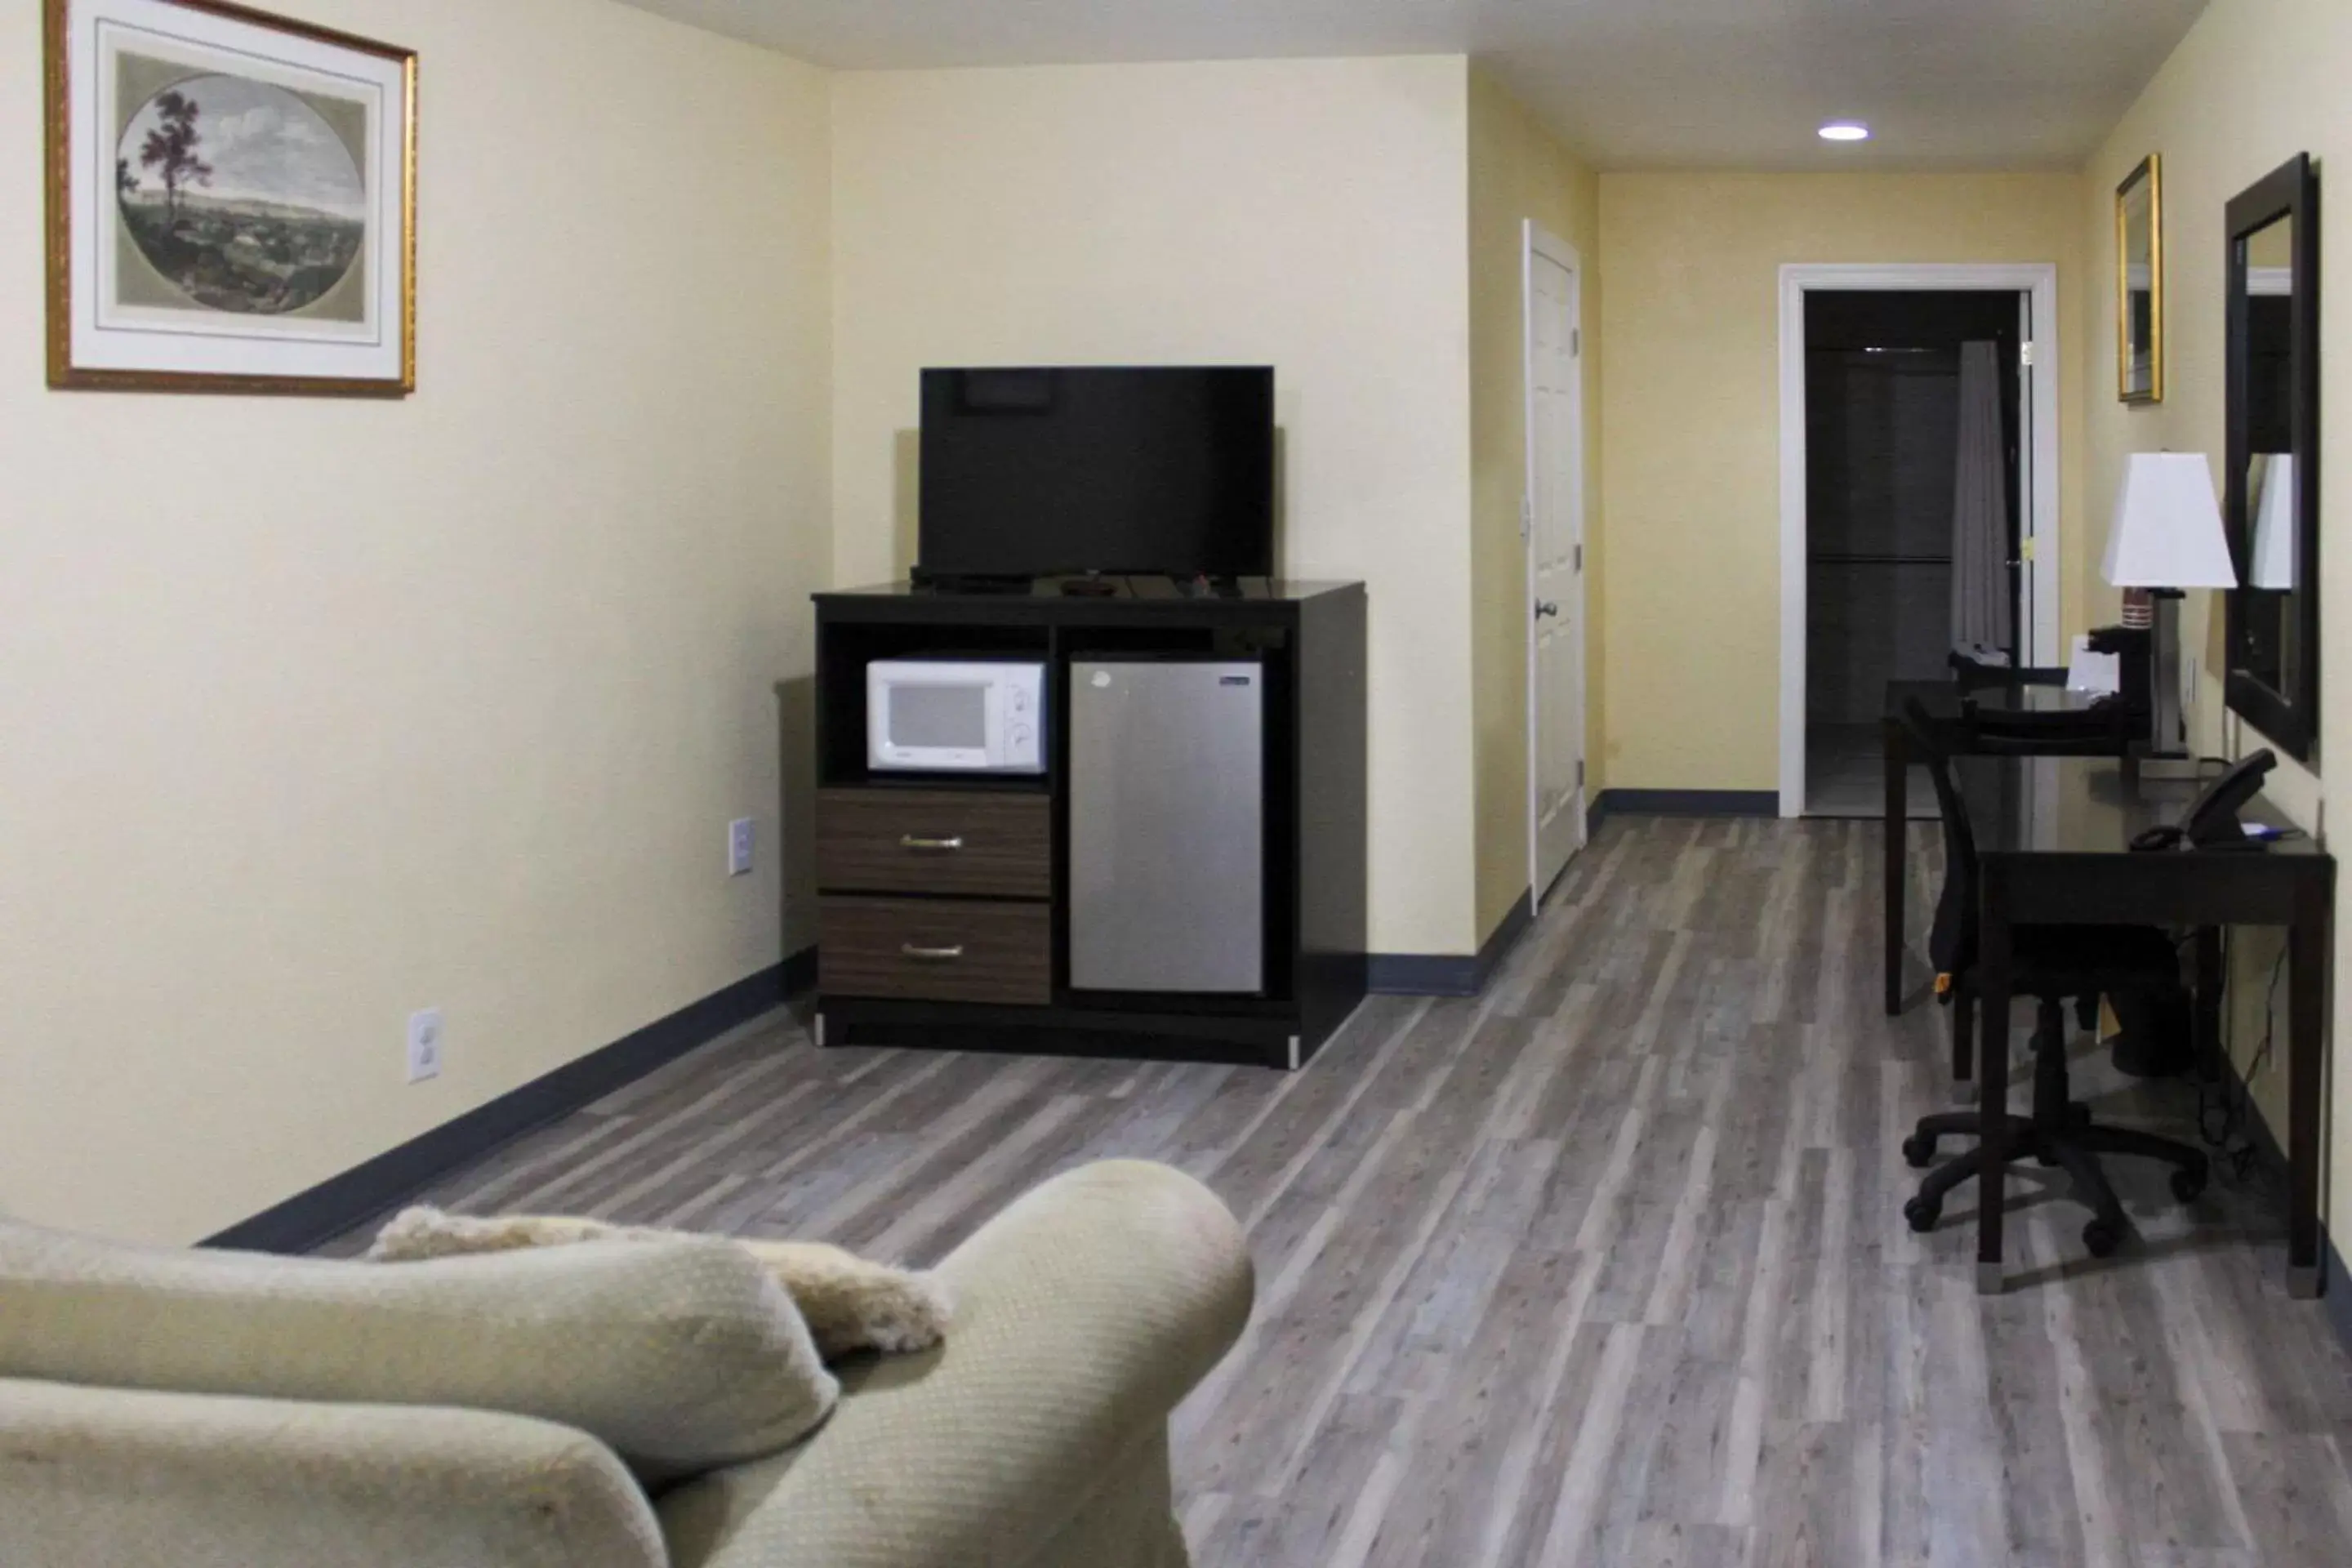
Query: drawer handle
[[932, 954], [922, 845]]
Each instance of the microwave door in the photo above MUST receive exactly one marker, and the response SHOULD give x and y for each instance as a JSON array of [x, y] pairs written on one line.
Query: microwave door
[[935, 722], [953, 718], [944, 722]]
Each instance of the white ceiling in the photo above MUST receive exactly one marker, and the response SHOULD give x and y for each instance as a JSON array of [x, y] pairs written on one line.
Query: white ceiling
[[1630, 83]]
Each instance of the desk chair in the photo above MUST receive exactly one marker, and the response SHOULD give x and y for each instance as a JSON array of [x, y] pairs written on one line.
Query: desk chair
[[2128, 710], [1975, 674], [2101, 729], [2050, 964]]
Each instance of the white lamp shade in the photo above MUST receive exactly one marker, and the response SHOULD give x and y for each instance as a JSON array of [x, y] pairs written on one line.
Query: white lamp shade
[[2274, 525], [2168, 528]]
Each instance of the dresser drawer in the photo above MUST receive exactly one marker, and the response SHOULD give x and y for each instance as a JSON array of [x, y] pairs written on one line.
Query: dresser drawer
[[935, 841], [936, 950]]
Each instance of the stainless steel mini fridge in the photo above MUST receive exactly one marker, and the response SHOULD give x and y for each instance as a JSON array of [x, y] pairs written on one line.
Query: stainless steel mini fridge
[[1167, 786]]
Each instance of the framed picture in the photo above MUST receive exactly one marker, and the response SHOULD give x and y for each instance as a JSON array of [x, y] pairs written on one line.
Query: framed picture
[[232, 203], [2139, 284]]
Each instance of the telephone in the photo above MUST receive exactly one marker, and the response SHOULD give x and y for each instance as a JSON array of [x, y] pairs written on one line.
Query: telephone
[[2212, 821]]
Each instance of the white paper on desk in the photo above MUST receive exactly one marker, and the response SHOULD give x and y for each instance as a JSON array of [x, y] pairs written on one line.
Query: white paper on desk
[[2093, 674]]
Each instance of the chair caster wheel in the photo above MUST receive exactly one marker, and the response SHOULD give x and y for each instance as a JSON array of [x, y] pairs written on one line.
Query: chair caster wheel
[[2101, 1238], [2188, 1183], [1919, 1150], [1922, 1214]]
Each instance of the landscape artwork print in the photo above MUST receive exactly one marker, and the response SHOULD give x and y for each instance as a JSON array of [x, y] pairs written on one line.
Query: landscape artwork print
[[234, 208], [241, 196]]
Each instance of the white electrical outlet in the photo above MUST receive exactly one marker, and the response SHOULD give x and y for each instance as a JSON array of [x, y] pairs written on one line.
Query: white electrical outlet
[[424, 1045], [739, 847]]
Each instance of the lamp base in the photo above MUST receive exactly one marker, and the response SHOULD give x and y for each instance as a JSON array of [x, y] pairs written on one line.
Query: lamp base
[[2167, 735]]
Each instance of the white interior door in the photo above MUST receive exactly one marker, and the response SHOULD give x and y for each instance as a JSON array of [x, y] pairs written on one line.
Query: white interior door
[[2028, 621], [1554, 525]]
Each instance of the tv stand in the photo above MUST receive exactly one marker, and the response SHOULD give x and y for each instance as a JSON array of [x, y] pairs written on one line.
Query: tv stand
[[1094, 586], [949, 584], [971, 950]]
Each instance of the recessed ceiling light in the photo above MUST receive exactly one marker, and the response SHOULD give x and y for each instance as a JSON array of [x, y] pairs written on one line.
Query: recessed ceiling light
[[1845, 131]]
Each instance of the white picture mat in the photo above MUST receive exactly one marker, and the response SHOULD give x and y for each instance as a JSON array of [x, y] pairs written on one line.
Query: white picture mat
[[238, 349], [113, 37]]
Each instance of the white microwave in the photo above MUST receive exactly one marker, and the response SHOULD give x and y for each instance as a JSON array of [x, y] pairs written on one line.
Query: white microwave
[[935, 715]]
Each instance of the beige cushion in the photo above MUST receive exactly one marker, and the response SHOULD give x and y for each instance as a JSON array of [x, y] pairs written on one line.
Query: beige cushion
[[678, 1355], [109, 1478]]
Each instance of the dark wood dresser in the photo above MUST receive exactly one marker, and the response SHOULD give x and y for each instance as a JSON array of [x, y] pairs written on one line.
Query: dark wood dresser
[[944, 907]]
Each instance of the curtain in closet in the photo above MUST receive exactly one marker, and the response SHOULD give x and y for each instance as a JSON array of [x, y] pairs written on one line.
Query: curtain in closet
[[1981, 608]]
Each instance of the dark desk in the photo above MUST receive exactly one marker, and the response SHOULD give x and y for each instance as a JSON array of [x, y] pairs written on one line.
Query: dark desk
[[2053, 844], [1942, 700]]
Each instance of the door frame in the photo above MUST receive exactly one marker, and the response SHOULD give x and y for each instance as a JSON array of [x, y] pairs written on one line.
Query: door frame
[[2038, 527], [1539, 241]]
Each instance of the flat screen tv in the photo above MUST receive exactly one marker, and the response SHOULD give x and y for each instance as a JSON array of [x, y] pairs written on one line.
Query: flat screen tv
[[1044, 472]]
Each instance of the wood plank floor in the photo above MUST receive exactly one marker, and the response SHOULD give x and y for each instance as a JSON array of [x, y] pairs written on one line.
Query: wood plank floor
[[1605, 1267]]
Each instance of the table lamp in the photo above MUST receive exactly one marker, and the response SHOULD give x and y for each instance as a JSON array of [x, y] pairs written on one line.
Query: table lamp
[[2167, 536]]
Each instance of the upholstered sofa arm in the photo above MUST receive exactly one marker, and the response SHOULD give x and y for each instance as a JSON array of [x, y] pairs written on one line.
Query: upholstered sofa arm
[[97, 1478], [1083, 1313]]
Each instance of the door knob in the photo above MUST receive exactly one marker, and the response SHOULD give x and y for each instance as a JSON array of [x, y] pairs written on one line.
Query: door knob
[[1546, 606]]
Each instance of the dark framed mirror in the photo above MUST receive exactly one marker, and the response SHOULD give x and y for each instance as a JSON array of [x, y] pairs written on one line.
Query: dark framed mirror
[[2272, 507]]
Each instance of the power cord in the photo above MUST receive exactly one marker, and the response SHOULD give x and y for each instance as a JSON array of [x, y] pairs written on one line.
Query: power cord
[[2222, 1111]]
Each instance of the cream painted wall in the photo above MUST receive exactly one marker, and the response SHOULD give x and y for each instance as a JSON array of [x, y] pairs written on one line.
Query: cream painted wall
[[2255, 82], [319, 712], [1307, 214], [1691, 427], [1519, 170]]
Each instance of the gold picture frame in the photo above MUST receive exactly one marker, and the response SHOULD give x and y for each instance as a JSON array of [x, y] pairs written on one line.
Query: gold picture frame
[[2140, 283], [257, 234]]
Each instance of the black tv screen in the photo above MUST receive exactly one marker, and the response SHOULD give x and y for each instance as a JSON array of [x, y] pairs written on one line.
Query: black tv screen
[[1040, 472]]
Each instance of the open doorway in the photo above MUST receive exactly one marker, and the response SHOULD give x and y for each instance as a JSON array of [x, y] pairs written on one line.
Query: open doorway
[[1912, 426], [1932, 532]]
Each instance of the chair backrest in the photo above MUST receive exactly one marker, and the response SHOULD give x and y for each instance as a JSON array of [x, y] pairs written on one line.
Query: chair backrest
[[1975, 675], [1952, 940], [2097, 731]]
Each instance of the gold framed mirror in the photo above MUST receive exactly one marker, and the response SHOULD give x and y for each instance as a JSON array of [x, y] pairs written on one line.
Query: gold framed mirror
[[2140, 283]]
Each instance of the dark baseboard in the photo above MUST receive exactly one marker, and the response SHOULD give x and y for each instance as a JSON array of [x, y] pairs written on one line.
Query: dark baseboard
[[339, 1203], [800, 972], [2335, 1289], [1442, 974], [2335, 1283], [1681, 803]]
